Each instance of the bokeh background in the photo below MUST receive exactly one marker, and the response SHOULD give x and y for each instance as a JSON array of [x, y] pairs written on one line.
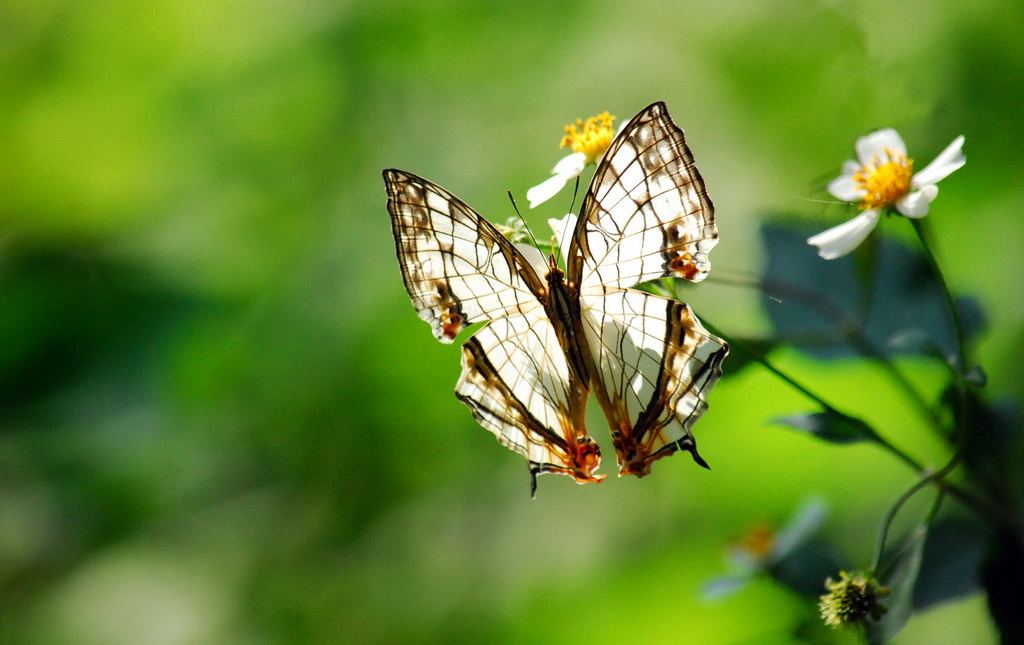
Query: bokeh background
[[221, 420]]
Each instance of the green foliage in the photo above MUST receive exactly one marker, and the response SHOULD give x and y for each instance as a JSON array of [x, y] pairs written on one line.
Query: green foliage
[[830, 426]]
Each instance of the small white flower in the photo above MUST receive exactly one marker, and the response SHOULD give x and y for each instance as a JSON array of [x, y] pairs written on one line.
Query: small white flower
[[763, 548], [589, 140], [883, 178]]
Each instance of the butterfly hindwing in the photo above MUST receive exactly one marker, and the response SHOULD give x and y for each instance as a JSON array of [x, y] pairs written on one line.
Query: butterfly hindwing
[[657, 364], [517, 382]]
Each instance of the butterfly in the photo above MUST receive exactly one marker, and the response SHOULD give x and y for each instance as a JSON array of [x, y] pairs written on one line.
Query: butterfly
[[555, 336]]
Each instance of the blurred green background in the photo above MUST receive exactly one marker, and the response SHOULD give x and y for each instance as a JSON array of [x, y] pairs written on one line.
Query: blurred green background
[[221, 420]]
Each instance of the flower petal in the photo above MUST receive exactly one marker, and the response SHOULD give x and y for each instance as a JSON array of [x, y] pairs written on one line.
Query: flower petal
[[915, 204], [948, 160], [536, 259], [563, 229], [876, 144], [572, 165], [545, 190], [846, 189], [840, 240], [567, 168]]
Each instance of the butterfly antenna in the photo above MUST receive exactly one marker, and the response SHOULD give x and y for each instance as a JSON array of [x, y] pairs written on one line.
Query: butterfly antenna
[[575, 192], [526, 226]]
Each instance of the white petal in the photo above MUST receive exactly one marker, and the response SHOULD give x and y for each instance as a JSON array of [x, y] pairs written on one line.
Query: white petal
[[572, 165], [948, 160], [851, 167], [876, 144], [559, 225], [845, 188], [915, 204], [567, 168], [563, 229], [840, 240], [545, 190]]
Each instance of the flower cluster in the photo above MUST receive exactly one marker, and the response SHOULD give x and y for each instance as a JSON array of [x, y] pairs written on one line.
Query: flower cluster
[[514, 229], [852, 600]]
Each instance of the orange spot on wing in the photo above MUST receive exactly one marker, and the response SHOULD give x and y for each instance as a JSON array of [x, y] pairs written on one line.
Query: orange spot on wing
[[683, 265], [451, 324], [586, 458]]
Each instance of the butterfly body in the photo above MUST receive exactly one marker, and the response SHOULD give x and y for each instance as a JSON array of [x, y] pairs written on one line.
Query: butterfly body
[[553, 340]]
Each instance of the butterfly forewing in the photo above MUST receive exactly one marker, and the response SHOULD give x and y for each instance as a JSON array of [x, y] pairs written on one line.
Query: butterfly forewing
[[646, 214], [457, 268]]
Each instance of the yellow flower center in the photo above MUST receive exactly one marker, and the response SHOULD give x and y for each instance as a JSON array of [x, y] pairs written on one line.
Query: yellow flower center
[[591, 137], [758, 541], [884, 182]]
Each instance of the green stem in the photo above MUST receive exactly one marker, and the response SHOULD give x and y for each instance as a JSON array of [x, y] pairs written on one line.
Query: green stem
[[979, 505], [950, 302], [937, 477], [869, 433], [853, 331]]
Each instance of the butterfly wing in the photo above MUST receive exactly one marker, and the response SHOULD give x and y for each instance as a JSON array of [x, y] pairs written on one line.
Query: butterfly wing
[[656, 364], [457, 268], [517, 382], [646, 214]]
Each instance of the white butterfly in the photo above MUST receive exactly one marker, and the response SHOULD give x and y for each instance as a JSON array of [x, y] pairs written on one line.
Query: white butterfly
[[553, 339]]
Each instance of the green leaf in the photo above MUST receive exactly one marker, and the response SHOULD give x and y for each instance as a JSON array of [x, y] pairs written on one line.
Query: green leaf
[[952, 560], [746, 352], [901, 585], [976, 376], [830, 426], [883, 296]]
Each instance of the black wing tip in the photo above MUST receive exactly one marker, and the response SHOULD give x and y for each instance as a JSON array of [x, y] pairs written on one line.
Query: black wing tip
[[395, 175], [656, 111], [657, 106], [691, 447], [697, 458]]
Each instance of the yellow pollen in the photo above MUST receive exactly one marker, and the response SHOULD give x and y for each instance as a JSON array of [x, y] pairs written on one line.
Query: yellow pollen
[[591, 137], [884, 182]]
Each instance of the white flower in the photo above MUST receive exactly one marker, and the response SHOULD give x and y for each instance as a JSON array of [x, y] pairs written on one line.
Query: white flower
[[763, 548], [589, 140], [883, 178]]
